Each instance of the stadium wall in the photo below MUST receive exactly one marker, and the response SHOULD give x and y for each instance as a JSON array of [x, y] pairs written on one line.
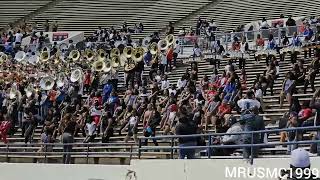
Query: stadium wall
[[146, 170]]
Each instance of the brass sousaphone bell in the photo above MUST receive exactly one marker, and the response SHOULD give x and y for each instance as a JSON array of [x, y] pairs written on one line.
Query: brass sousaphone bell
[[170, 39], [74, 55], [101, 55], [163, 44], [115, 52], [45, 54], [60, 79], [3, 57], [127, 51], [47, 83], [20, 56], [153, 48], [115, 61], [89, 54], [29, 90], [76, 75], [137, 54], [99, 65]]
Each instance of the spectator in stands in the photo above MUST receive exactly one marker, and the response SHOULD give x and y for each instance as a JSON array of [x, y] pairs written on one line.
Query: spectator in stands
[[308, 34], [132, 126], [18, 38], [54, 26], [198, 27], [249, 102], [291, 23], [46, 26], [151, 120], [186, 127], [296, 42], [67, 138], [311, 75], [196, 51], [170, 28], [288, 88]]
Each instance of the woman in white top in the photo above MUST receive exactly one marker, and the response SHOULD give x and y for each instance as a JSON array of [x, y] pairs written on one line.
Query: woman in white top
[[196, 51], [165, 83], [132, 126]]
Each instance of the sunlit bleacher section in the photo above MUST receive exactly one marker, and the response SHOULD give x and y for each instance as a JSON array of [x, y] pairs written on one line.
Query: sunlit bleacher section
[[231, 13], [10, 11], [82, 15]]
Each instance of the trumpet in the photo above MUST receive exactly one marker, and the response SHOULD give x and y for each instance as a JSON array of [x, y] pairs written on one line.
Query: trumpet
[[99, 65], [115, 52], [89, 54], [101, 55], [128, 51], [137, 54], [74, 55]]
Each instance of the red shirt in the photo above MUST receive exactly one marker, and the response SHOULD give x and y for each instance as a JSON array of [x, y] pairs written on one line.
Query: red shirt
[[87, 79], [224, 109], [305, 114], [170, 54], [260, 42]]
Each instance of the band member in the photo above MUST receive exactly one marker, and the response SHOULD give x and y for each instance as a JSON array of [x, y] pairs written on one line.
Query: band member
[[313, 71], [218, 50], [308, 33], [235, 44], [114, 79], [259, 47], [196, 51], [244, 48], [284, 42], [176, 51], [271, 45], [296, 42]]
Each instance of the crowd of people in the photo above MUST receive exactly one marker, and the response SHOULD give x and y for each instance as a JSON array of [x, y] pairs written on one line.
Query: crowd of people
[[94, 107]]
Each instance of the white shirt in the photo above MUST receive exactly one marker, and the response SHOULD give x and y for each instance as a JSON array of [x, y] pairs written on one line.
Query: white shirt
[[242, 103], [165, 84], [181, 84], [95, 112], [163, 58], [212, 24], [176, 49], [258, 93], [91, 128], [18, 37], [172, 91], [197, 51], [133, 120], [264, 24]]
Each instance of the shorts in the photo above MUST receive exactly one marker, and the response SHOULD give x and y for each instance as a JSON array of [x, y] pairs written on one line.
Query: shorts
[[132, 130]]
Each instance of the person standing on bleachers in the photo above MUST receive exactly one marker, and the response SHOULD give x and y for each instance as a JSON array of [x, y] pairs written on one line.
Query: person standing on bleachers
[[308, 34], [311, 75], [46, 26], [291, 24], [296, 42]]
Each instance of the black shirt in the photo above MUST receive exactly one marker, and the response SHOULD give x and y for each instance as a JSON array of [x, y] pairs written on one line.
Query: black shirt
[[70, 127], [186, 128], [155, 120]]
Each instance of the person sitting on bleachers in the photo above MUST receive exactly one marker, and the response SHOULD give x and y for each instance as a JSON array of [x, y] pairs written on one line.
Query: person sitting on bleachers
[[308, 34], [270, 75], [249, 102]]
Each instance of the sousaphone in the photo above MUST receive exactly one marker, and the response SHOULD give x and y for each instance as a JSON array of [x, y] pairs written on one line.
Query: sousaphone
[[170, 39], [3, 57], [60, 79], [108, 67], [20, 56], [153, 48], [89, 54], [137, 54], [127, 51], [99, 65], [115, 61], [101, 55], [74, 55], [44, 56], [47, 83], [76, 75], [29, 90], [115, 52], [163, 44]]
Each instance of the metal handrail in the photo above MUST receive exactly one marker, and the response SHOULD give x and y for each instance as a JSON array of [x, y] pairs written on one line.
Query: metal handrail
[[251, 144]]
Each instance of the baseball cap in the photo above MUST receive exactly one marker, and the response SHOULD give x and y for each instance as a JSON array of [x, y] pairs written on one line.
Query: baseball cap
[[300, 158]]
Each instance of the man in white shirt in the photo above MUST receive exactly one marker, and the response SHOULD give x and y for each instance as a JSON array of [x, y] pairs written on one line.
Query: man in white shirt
[[249, 102], [182, 82], [165, 83], [18, 37]]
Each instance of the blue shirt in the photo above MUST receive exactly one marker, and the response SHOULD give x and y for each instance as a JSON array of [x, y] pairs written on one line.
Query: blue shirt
[[308, 33], [147, 57], [230, 87], [107, 89], [296, 41], [271, 44]]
